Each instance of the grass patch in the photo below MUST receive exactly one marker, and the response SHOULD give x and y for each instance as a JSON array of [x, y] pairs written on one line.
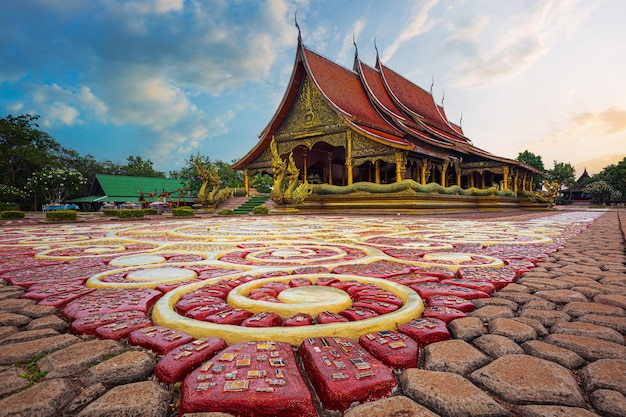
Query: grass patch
[[32, 371]]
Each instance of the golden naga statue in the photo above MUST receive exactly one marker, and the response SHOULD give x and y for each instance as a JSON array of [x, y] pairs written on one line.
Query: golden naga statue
[[210, 193], [553, 189], [289, 194]]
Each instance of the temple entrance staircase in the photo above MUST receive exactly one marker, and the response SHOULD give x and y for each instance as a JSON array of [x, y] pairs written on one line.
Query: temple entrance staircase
[[251, 203]]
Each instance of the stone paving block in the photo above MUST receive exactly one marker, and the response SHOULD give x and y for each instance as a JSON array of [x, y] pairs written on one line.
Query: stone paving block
[[515, 287], [44, 399], [523, 379], [535, 324], [516, 297], [17, 293], [579, 328], [23, 351], [514, 330], [609, 403], [390, 407], [138, 399], [605, 374], [466, 328], [455, 356], [448, 394], [540, 305], [15, 305], [495, 345], [589, 292], [87, 396], [546, 317], [48, 322], [13, 319], [132, 366], [538, 284], [78, 357], [489, 313], [615, 323], [551, 411], [543, 350], [588, 347], [6, 331], [616, 300], [11, 381], [493, 301], [577, 309], [27, 335], [561, 296], [35, 311]]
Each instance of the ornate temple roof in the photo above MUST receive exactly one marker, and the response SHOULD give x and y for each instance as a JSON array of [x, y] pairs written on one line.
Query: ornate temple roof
[[379, 104]]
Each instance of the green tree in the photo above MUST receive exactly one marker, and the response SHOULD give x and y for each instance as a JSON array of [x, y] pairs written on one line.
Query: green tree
[[615, 176], [535, 162], [24, 149], [228, 177], [262, 182], [189, 173], [137, 167], [55, 183], [563, 173], [600, 191]]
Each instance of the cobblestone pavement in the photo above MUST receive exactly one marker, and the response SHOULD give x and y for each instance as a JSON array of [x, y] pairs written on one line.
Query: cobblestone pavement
[[550, 344]]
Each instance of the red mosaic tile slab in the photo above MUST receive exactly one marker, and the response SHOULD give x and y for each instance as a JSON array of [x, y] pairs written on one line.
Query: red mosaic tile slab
[[413, 278], [520, 266], [342, 372], [89, 324], [499, 277], [300, 282], [255, 379], [394, 349], [46, 289], [60, 300], [327, 281], [165, 288], [235, 316], [311, 270], [263, 319], [122, 328], [202, 312], [358, 313], [181, 360], [376, 269], [425, 331], [186, 304], [443, 313], [428, 289], [12, 263], [158, 339], [299, 319], [450, 301], [109, 300], [483, 286], [380, 307], [378, 295], [435, 271], [327, 317]]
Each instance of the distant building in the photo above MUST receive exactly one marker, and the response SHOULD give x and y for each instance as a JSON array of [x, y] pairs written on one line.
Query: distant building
[[577, 193]]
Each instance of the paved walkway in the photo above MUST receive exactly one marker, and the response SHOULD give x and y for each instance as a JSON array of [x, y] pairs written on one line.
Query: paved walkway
[[552, 344]]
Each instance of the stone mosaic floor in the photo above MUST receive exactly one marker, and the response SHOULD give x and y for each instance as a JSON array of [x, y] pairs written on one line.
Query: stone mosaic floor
[[282, 315]]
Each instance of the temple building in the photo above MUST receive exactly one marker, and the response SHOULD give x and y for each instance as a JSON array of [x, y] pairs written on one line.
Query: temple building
[[369, 125]]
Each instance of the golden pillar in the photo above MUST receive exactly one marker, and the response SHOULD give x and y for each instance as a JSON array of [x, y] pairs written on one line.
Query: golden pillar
[[330, 168], [505, 177], [515, 181], [349, 156], [377, 172], [458, 179], [246, 181], [425, 170], [444, 169], [482, 179], [400, 168], [305, 171]]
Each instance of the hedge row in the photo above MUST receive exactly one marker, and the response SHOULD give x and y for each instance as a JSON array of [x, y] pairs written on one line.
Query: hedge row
[[61, 215], [11, 214]]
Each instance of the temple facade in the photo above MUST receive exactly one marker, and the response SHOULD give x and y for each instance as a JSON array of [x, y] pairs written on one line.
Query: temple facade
[[367, 124]]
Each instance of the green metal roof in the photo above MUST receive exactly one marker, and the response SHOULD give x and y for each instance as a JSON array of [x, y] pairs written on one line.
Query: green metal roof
[[121, 188], [89, 199]]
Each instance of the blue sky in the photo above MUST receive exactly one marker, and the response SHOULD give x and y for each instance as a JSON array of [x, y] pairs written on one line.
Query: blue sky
[[165, 79]]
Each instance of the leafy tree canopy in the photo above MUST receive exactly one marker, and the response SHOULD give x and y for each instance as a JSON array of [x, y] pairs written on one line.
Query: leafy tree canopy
[[563, 173], [137, 167], [535, 162]]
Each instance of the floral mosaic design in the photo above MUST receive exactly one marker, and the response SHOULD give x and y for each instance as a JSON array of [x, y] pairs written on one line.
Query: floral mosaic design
[[349, 291]]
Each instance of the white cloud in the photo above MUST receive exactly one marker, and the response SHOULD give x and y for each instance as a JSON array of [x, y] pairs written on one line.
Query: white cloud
[[520, 42], [60, 113], [353, 35], [419, 23]]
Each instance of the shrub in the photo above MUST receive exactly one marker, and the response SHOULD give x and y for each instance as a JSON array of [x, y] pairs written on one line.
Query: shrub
[[61, 215], [129, 213], [9, 206], [110, 212], [150, 211], [225, 212], [260, 210], [11, 214], [183, 211]]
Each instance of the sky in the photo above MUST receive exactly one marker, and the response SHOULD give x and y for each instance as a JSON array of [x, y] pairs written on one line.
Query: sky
[[167, 79]]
